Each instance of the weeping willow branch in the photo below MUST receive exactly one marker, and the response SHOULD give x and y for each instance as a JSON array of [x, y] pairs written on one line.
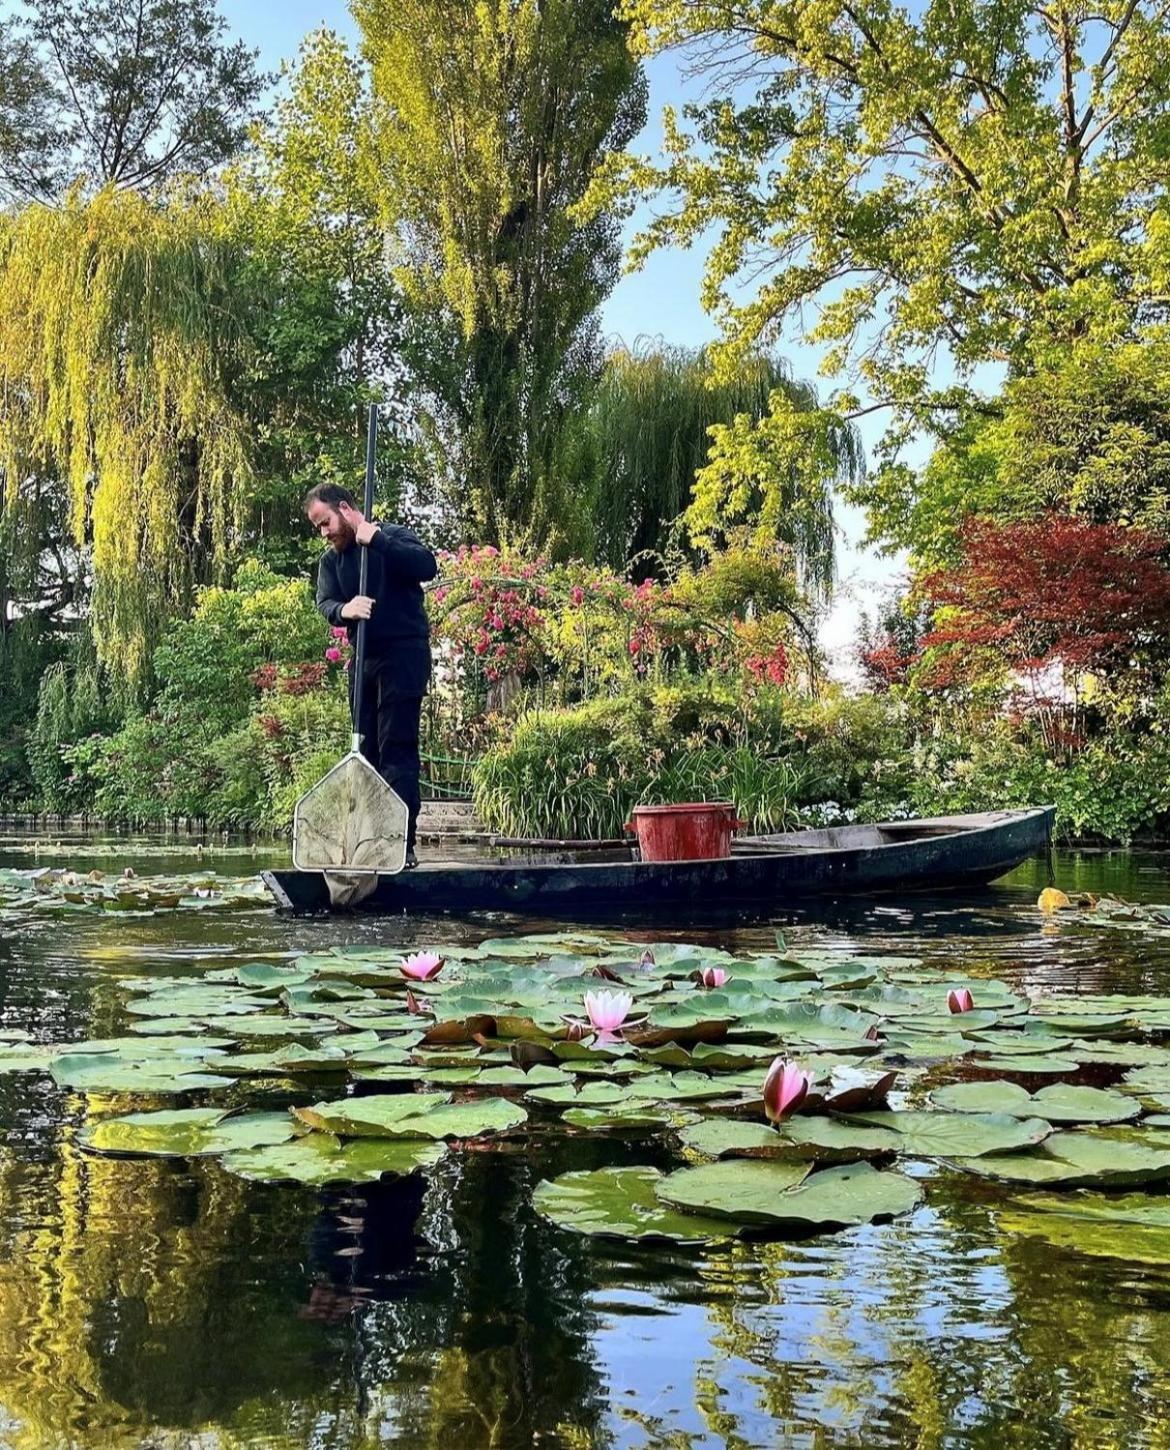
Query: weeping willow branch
[[119, 333]]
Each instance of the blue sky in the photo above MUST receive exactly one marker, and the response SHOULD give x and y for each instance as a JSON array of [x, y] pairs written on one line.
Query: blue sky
[[662, 300]]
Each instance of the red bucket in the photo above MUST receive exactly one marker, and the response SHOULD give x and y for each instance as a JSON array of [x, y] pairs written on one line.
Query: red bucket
[[694, 831]]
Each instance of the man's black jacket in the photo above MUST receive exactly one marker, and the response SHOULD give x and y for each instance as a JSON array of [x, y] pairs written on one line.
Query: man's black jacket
[[397, 635]]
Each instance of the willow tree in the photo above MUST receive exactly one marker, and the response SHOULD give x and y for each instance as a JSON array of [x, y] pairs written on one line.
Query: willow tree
[[660, 416], [119, 335], [491, 121]]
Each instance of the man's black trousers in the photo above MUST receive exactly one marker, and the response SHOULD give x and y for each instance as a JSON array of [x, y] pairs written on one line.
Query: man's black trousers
[[389, 728]]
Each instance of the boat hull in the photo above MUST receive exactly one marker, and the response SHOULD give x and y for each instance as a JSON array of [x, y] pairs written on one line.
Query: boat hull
[[780, 872]]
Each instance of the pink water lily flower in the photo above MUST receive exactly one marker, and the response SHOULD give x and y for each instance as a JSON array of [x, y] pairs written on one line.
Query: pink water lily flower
[[647, 958], [422, 966], [712, 977], [959, 999], [608, 1010], [785, 1088]]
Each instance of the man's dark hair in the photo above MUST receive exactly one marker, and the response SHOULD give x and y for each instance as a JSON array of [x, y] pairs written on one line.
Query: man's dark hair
[[327, 493]]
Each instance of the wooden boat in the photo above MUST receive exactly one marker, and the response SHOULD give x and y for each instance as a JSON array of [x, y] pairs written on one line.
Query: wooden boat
[[763, 873]]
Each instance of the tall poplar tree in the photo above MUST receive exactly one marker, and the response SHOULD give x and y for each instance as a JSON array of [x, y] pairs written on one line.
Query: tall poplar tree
[[490, 123]]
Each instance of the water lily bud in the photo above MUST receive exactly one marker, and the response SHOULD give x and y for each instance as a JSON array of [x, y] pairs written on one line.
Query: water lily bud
[[712, 977], [959, 999], [785, 1088]]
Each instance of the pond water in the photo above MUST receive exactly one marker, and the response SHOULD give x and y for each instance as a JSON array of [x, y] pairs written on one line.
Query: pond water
[[168, 1303]]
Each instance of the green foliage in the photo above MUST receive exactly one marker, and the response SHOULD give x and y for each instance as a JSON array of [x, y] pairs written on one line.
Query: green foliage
[[26, 651], [204, 664], [1116, 788], [299, 738], [576, 774], [972, 180], [72, 706], [1088, 433], [649, 430], [128, 94], [305, 216], [119, 324], [27, 131], [490, 123]]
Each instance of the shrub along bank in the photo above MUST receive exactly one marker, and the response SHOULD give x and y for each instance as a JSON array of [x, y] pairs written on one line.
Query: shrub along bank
[[577, 696]]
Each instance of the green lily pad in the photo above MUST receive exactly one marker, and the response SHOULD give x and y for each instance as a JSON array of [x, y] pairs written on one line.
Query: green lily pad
[[292, 1058], [318, 1158], [620, 1119], [185, 1133], [466, 1120], [733, 1138], [1057, 1104], [1084, 1024], [1020, 1044], [620, 1203], [1076, 1160], [781, 1196], [109, 1072], [1053, 1066], [925, 1048], [945, 1135], [412, 1115], [836, 1140], [372, 1117]]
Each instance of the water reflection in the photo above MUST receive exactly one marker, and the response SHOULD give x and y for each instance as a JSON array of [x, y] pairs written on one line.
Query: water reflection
[[169, 1304]]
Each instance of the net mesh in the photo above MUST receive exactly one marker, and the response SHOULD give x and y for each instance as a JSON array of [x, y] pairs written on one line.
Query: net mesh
[[350, 821]]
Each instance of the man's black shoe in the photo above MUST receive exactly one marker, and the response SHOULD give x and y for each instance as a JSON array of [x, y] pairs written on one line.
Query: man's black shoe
[[411, 859]]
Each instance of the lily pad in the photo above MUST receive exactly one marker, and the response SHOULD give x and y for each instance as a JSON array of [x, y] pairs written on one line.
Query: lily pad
[[635, 1117], [1059, 1103], [1053, 1066], [292, 1058], [318, 1158], [109, 1072], [621, 1203], [733, 1138], [185, 1133], [1076, 1160], [781, 1196], [945, 1135], [412, 1115]]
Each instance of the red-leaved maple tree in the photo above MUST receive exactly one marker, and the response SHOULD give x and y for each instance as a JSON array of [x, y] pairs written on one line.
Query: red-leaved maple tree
[[1047, 595]]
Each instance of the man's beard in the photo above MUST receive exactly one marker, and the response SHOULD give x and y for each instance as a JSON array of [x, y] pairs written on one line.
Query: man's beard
[[343, 540]]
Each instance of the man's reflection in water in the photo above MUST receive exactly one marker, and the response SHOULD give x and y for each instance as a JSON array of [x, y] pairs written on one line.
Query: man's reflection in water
[[364, 1247]]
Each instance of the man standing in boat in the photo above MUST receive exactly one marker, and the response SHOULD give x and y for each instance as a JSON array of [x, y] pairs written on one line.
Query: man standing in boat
[[398, 648]]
